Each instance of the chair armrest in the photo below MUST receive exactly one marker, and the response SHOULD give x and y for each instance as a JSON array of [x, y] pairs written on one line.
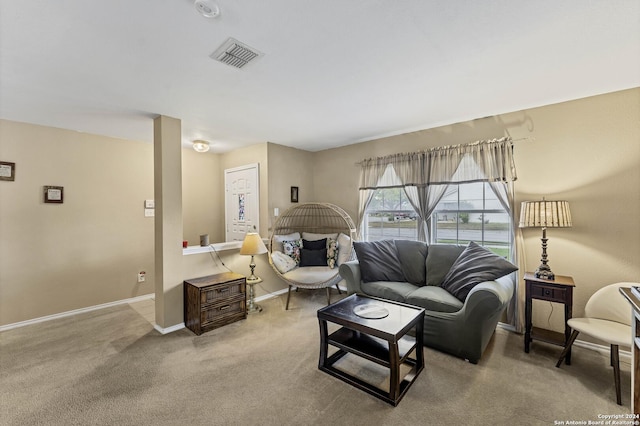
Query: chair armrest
[[350, 271]]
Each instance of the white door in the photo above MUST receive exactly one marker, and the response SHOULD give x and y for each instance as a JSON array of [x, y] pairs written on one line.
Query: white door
[[242, 201]]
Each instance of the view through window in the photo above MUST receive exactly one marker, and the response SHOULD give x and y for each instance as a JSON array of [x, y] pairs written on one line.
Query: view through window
[[467, 212], [472, 212]]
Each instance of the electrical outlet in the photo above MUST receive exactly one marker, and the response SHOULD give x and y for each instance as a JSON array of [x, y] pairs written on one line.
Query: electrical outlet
[[141, 276]]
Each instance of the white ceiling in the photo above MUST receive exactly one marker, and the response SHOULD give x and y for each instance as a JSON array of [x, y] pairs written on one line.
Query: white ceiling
[[334, 72]]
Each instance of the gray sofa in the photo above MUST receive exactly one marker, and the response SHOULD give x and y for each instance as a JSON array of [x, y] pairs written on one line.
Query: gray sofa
[[462, 325]]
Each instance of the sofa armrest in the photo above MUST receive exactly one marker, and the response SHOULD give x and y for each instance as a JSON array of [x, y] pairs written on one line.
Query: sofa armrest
[[466, 332], [350, 271]]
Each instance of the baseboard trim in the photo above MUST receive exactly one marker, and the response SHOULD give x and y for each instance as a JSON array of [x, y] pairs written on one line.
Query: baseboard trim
[[168, 329], [625, 356], [75, 312], [116, 303]]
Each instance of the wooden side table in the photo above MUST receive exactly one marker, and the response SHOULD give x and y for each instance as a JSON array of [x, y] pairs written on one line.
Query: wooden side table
[[559, 290]]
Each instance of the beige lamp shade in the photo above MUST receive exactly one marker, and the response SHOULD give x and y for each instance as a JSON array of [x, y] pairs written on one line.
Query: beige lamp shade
[[545, 214], [252, 245]]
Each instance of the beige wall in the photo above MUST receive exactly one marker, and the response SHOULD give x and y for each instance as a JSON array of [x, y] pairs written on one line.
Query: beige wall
[[289, 167], [86, 251], [202, 190]]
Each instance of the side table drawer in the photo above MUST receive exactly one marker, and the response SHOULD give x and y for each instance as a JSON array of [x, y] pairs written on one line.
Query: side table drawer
[[216, 293], [552, 294], [225, 308]]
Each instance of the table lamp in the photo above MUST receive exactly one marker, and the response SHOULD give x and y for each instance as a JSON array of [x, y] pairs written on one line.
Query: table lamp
[[251, 246], [545, 214]]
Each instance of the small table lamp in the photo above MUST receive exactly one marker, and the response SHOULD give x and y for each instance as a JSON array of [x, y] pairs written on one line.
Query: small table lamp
[[251, 246], [543, 214]]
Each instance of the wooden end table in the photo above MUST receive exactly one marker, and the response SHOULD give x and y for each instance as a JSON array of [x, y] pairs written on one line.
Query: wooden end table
[[559, 290], [383, 341]]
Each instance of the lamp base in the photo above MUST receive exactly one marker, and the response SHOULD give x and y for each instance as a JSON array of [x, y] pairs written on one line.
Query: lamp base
[[252, 307], [544, 272]]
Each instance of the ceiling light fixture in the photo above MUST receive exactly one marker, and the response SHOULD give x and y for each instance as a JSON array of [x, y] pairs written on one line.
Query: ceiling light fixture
[[207, 8], [201, 146]]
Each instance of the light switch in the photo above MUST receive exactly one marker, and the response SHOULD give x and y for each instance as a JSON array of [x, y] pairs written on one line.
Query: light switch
[[149, 204], [149, 212]]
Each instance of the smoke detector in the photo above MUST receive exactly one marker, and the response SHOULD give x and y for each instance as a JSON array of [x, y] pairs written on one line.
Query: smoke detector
[[234, 53], [207, 8]]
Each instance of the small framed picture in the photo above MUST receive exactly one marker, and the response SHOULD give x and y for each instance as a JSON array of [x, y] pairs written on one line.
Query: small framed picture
[[7, 171], [54, 194], [294, 194]]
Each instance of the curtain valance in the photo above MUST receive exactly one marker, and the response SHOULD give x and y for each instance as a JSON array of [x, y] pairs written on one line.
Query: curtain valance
[[442, 166]]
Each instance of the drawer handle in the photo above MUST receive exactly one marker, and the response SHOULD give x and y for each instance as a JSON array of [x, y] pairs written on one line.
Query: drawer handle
[[547, 292], [225, 307], [222, 290]]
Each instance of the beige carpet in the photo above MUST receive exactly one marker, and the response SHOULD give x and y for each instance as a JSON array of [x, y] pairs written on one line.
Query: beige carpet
[[110, 367]]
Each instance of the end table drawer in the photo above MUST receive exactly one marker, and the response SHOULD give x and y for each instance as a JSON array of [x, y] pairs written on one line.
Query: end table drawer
[[225, 308], [549, 293], [221, 292]]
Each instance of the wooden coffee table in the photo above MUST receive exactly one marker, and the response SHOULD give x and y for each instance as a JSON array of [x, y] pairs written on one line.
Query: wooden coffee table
[[383, 341]]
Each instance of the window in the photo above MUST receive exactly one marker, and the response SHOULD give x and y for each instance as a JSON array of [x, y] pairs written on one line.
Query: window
[[472, 212], [390, 216]]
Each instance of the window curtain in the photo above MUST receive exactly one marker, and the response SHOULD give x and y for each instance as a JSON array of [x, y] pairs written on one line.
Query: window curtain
[[425, 175]]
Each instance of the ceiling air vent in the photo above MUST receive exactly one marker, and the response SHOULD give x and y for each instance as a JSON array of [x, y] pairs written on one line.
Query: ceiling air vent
[[234, 53]]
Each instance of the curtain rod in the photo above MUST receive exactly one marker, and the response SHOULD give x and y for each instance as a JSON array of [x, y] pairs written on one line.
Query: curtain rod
[[526, 138]]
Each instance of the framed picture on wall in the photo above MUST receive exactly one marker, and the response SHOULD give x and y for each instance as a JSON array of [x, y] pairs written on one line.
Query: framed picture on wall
[[7, 171], [294, 194], [54, 194]]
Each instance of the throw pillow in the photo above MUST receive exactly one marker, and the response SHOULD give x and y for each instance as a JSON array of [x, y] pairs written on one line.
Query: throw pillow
[[292, 249], [332, 253], [344, 248], [277, 240], [314, 244], [313, 257], [475, 265], [378, 261], [282, 262]]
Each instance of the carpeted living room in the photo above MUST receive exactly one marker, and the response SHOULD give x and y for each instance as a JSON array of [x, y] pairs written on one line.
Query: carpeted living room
[[207, 220]]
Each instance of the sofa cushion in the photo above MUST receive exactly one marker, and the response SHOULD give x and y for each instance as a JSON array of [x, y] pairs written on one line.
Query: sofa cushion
[[475, 265], [434, 298], [397, 291], [412, 255], [332, 253], [378, 261], [440, 258]]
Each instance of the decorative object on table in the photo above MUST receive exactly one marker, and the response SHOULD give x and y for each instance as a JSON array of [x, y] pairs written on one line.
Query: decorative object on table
[[294, 194], [607, 319], [251, 246], [201, 146], [204, 240], [371, 311], [7, 171], [53, 194], [545, 214]]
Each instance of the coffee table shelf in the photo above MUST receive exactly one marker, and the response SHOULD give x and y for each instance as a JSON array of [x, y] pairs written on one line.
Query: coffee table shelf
[[370, 347], [383, 341]]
